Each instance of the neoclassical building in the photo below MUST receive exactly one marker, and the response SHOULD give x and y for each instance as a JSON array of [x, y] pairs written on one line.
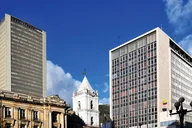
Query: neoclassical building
[[23, 111], [85, 104]]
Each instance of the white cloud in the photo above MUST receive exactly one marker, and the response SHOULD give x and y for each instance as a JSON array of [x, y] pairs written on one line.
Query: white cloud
[[61, 83], [104, 101], [186, 43], [179, 14], [106, 89]]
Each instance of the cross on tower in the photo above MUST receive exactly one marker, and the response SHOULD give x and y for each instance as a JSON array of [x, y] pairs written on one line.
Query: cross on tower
[[84, 73]]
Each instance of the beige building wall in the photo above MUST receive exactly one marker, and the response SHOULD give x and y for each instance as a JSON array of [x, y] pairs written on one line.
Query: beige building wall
[[5, 53], [44, 65], [46, 108], [8, 52], [44, 115], [15, 106], [110, 85], [2, 54], [163, 71]]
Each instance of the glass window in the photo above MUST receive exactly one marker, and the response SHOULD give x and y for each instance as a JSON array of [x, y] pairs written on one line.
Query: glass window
[[91, 120], [79, 105], [7, 112], [91, 104], [22, 113], [22, 126], [35, 115]]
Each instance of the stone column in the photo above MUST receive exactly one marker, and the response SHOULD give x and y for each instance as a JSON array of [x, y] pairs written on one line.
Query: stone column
[[42, 119], [46, 118], [38, 115], [3, 111], [19, 113], [50, 119], [62, 120], [17, 117], [30, 117], [12, 115], [26, 114], [12, 112], [65, 120]]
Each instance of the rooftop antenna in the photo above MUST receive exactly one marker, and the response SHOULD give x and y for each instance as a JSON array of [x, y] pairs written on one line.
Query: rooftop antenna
[[161, 27]]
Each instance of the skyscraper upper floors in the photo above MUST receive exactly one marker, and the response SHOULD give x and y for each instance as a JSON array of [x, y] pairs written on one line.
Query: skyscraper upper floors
[[22, 57]]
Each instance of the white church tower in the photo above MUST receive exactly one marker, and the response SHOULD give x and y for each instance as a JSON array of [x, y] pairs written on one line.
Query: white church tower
[[85, 104]]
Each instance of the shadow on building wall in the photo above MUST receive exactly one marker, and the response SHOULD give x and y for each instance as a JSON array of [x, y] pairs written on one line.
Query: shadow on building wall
[[74, 121]]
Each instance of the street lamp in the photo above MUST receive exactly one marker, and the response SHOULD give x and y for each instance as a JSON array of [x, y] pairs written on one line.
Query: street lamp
[[180, 111], [140, 124]]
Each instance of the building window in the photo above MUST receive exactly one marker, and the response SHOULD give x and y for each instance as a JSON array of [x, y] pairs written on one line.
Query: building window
[[91, 104], [7, 112], [35, 115], [79, 105], [7, 125], [91, 120], [22, 114], [22, 126], [55, 116]]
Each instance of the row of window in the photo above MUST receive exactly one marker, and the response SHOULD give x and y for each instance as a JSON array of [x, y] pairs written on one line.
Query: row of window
[[91, 104], [26, 40], [26, 31], [33, 44], [26, 63], [22, 113], [23, 24], [134, 86], [181, 80], [133, 56]]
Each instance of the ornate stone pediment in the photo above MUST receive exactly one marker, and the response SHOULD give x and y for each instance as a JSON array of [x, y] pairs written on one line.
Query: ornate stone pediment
[[55, 99]]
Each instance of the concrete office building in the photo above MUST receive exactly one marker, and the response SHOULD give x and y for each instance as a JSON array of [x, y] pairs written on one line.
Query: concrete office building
[[22, 57], [148, 75]]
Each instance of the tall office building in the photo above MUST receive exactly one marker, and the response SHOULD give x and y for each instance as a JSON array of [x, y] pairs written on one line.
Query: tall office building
[[22, 57], [148, 75]]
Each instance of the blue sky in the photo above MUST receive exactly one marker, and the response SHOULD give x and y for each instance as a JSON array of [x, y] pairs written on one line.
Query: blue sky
[[81, 33]]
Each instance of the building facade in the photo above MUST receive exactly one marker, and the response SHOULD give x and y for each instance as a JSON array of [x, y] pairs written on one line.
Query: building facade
[[85, 104], [23, 111], [22, 57], [148, 75]]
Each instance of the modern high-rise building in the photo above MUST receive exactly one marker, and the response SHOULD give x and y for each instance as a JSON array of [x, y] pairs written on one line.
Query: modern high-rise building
[[148, 75], [22, 57]]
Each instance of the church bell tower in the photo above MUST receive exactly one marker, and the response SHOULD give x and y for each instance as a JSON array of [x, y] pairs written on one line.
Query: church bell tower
[[85, 103]]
